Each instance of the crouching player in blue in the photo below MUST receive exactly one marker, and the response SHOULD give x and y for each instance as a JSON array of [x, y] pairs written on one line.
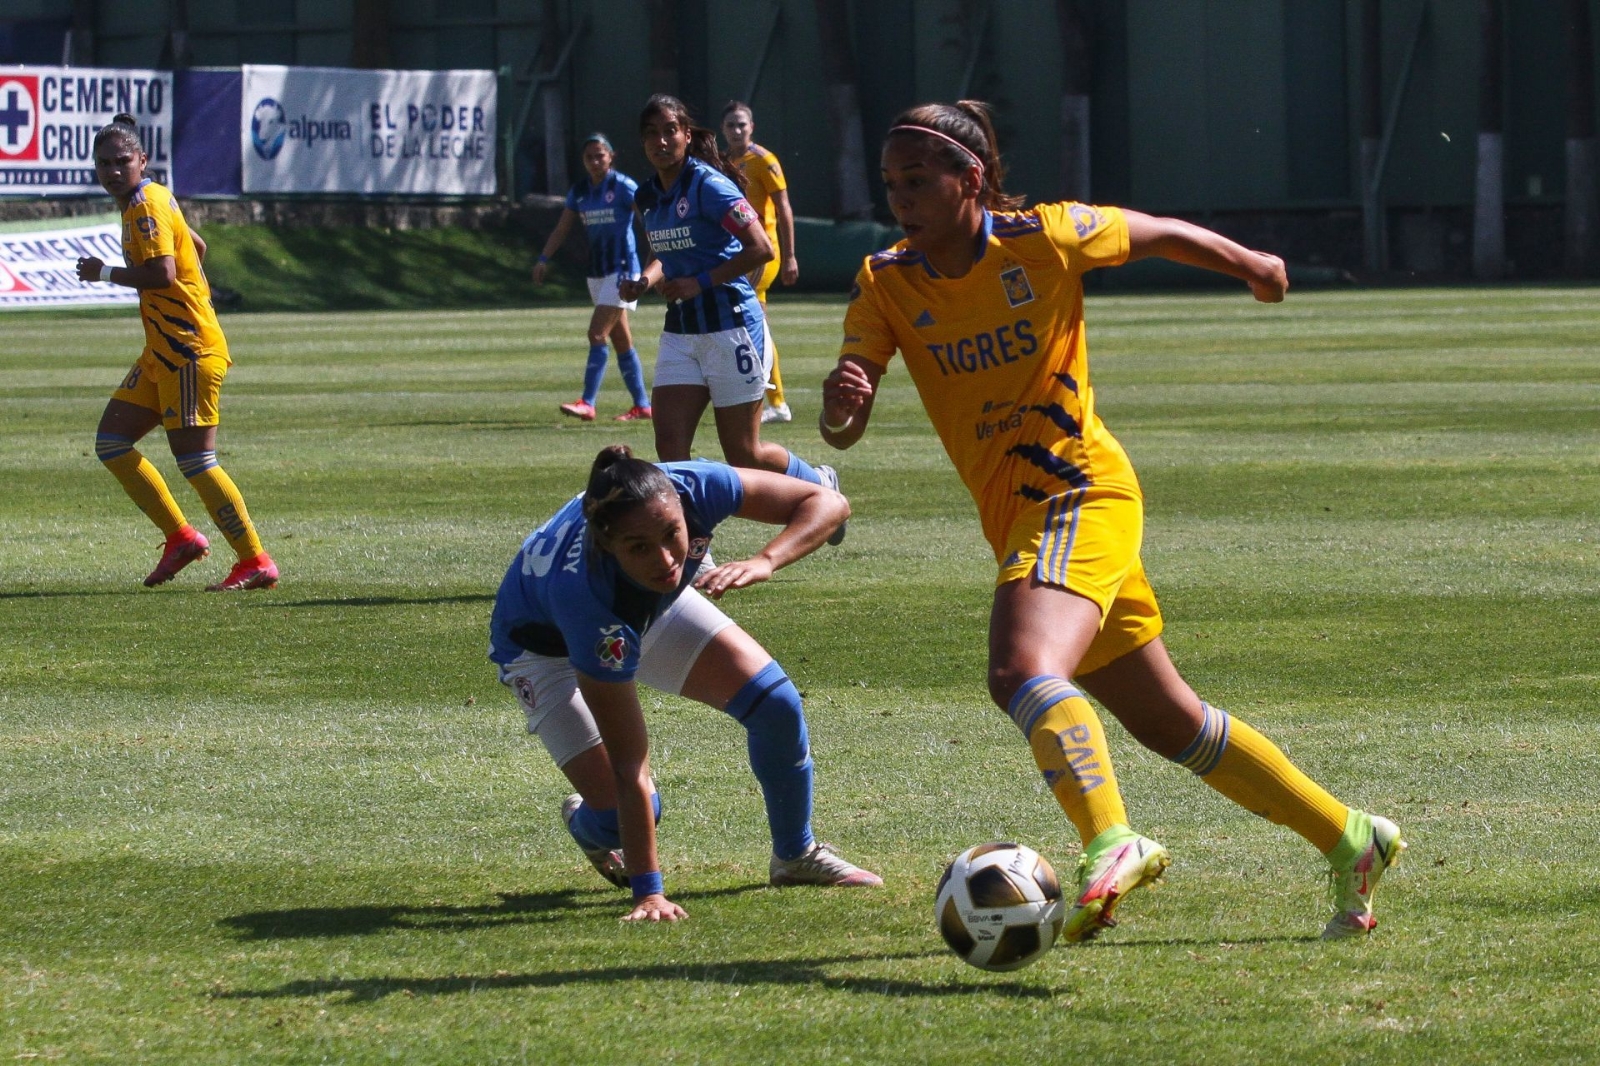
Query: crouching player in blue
[[608, 593]]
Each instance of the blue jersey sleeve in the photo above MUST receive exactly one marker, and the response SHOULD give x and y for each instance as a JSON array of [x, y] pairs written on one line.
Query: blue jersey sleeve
[[720, 197], [713, 490], [599, 643]]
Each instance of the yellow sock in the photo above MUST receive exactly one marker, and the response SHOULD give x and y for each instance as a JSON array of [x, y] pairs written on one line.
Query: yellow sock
[[1069, 747], [140, 480], [222, 500], [1254, 772]]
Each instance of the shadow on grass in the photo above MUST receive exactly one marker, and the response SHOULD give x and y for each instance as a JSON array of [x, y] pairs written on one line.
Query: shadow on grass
[[383, 601], [517, 908], [749, 972], [1206, 942]]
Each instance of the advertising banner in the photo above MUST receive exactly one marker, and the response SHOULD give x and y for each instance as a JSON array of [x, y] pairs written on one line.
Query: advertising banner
[[323, 129], [49, 116], [39, 268]]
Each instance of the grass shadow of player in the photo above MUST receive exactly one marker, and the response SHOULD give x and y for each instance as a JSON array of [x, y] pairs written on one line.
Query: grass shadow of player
[[385, 601], [509, 908], [778, 972]]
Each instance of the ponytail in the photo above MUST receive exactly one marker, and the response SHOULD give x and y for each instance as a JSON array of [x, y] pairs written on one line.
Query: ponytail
[[617, 484], [124, 129], [962, 136]]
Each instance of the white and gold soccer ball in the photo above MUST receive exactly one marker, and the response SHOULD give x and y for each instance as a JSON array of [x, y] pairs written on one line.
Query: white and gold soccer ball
[[999, 906]]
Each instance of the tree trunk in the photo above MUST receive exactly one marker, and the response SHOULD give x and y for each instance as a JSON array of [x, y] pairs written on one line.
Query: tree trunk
[[664, 46], [1580, 213], [84, 14], [553, 100], [1489, 214], [851, 198], [1076, 82], [370, 31], [1372, 220]]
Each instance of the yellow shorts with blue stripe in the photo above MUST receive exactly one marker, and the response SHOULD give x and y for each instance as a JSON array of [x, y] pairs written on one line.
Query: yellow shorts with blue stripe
[[1089, 545], [186, 393]]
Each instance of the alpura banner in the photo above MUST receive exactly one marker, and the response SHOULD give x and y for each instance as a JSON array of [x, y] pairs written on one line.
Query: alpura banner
[[39, 267], [325, 129], [49, 116]]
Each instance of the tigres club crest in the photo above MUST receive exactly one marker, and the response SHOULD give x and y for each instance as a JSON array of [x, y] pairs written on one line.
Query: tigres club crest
[[698, 547], [1015, 281], [612, 647]]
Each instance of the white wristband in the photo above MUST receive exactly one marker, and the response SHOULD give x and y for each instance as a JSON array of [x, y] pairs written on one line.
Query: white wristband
[[841, 427], [105, 272]]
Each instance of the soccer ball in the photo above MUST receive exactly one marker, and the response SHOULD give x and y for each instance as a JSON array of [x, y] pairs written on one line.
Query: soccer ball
[[999, 906]]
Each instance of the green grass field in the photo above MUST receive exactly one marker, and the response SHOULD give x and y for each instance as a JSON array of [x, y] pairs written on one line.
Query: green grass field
[[305, 825]]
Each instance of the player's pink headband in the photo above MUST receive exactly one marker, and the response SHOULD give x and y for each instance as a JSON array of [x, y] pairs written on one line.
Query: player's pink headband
[[970, 154]]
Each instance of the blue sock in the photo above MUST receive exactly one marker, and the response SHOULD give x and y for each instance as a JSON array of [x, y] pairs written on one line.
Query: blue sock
[[594, 829], [593, 373], [803, 470], [633, 377], [768, 706]]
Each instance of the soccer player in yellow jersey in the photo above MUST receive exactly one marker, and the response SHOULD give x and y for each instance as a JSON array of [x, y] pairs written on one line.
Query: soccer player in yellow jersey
[[984, 302], [176, 380], [768, 193]]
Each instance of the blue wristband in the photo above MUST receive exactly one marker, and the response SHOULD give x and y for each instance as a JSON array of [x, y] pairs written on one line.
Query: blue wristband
[[704, 278], [544, 259], [646, 884]]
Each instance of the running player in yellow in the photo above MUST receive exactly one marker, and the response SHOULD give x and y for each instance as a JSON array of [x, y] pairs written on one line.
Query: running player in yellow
[[178, 377], [768, 193], [984, 302]]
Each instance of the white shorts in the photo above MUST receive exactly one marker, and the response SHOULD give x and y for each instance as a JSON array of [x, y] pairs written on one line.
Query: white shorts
[[547, 686], [733, 364], [603, 293]]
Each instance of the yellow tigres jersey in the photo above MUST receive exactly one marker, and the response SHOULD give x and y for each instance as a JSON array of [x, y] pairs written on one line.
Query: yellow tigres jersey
[[764, 177], [179, 321], [999, 356]]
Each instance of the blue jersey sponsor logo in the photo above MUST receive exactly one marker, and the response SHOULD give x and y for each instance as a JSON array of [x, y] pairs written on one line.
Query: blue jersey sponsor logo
[[987, 350], [612, 648]]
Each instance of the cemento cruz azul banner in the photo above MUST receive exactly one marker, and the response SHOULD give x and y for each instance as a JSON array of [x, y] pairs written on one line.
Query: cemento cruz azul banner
[[49, 116], [39, 268], [321, 129]]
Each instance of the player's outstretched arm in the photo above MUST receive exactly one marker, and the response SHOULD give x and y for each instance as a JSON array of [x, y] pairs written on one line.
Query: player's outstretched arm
[[808, 514], [847, 395], [1184, 242]]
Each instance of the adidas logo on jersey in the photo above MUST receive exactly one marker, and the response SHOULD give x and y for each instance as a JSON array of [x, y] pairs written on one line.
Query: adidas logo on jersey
[[924, 319]]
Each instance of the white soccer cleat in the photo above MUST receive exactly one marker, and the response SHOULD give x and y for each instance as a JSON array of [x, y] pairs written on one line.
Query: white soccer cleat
[[819, 865]]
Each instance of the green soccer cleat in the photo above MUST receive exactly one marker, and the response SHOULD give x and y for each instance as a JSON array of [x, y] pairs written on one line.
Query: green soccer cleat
[[1115, 863], [1370, 846]]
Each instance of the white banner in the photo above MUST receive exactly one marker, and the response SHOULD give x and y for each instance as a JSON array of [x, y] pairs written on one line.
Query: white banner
[[49, 116], [324, 129], [39, 268]]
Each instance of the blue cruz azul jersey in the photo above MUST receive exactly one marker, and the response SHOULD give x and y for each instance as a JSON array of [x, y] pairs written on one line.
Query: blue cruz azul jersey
[[607, 213], [562, 597], [690, 227]]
